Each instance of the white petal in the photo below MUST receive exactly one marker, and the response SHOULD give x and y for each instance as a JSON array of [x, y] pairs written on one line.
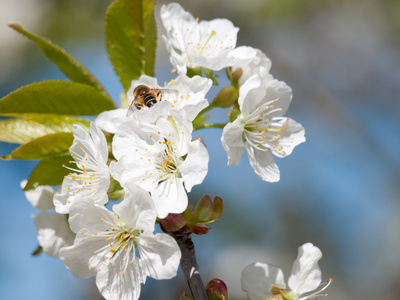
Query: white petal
[[53, 232], [232, 142], [290, 138], [170, 197], [84, 213], [250, 94], [110, 120], [306, 275], [100, 142], [40, 197], [263, 164], [276, 89], [76, 257], [251, 61], [137, 210], [194, 168], [192, 92], [173, 11], [257, 278], [120, 280], [159, 255]]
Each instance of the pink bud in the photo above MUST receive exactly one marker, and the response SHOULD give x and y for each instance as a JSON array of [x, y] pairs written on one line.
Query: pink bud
[[217, 290]]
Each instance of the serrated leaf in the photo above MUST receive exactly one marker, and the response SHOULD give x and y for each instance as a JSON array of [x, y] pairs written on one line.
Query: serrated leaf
[[23, 130], [67, 64], [131, 38], [48, 172], [45, 147], [55, 97]]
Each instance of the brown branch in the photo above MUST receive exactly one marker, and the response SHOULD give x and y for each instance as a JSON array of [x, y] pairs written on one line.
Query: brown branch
[[189, 264]]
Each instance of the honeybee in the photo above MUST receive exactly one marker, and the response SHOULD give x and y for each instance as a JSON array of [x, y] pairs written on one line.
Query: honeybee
[[146, 97]]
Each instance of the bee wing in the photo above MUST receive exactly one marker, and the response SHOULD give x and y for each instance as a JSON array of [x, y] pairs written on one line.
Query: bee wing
[[167, 93], [131, 109]]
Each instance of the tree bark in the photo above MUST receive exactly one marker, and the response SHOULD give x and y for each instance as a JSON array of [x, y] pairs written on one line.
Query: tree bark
[[189, 264]]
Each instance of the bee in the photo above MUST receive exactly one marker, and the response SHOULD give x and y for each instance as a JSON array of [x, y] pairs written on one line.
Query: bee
[[146, 97]]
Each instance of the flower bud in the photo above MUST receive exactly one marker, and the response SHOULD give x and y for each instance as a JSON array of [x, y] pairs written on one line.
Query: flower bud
[[226, 97], [237, 74], [233, 114], [217, 290]]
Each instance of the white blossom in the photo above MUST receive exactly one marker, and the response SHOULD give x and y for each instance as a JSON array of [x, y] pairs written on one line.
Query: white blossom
[[261, 128], [92, 176], [119, 247], [192, 43], [251, 61], [182, 93], [262, 281], [187, 94], [162, 159], [52, 229]]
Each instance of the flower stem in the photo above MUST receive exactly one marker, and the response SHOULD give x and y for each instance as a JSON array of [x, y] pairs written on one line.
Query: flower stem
[[209, 125], [211, 106], [189, 264]]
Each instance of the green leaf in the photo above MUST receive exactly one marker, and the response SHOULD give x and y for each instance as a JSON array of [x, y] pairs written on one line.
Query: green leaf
[[203, 210], [67, 64], [23, 130], [48, 172], [45, 147], [115, 191], [131, 38], [55, 97]]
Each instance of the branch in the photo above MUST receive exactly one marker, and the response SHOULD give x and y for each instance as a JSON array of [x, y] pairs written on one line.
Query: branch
[[189, 264]]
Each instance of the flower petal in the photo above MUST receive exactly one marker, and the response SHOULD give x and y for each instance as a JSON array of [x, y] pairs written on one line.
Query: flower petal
[[40, 197], [263, 164], [257, 278], [232, 142], [53, 232], [291, 136], [159, 255], [120, 280], [306, 274], [110, 120], [76, 257], [170, 197], [84, 213], [137, 210], [194, 168]]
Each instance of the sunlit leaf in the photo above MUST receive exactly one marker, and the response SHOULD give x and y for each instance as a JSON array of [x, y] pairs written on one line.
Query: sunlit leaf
[[45, 147], [131, 38], [67, 64], [23, 130], [55, 97], [48, 172]]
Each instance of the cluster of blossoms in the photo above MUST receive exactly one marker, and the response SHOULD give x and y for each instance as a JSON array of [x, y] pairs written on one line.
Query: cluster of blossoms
[[156, 162]]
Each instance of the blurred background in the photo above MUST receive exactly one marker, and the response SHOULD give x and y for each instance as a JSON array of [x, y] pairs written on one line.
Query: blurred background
[[339, 190]]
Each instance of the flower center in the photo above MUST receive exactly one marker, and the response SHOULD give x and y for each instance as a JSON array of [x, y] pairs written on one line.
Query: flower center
[[168, 161]]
